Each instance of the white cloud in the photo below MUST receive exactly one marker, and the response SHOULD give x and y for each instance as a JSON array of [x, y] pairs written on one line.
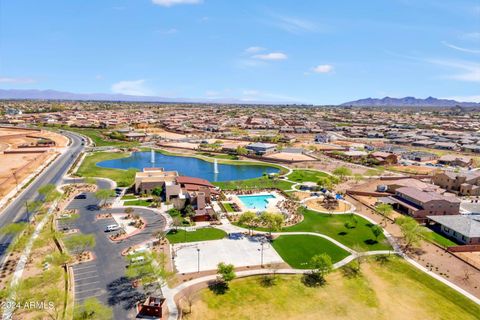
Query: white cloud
[[467, 71], [254, 49], [271, 56], [472, 36], [133, 88], [323, 68], [451, 46], [169, 3], [294, 24], [167, 31], [464, 98], [16, 80]]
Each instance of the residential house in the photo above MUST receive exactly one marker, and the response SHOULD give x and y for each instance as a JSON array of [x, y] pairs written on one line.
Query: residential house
[[463, 228], [419, 204], [465, 184], [260, 148], [455, 161]]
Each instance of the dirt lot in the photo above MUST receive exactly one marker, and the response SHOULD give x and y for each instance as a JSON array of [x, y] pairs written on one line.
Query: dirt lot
[[414, 169], [15, 167], [290, 156]]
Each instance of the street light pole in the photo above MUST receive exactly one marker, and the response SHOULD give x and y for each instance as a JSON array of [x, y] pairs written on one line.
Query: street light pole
[[198, 259], [261, 260]]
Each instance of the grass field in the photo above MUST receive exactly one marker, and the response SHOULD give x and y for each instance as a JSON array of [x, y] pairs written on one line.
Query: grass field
[[439, 239], [139, 202], [89, 168], [203, 234], [228, 207], [257, 183], [394, 290], [96, 135], [306, 175], [298, 250], [358, 238], [129, 197]]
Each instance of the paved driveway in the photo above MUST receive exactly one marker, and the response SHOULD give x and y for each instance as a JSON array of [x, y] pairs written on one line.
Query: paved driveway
[[104, 277], [241, 253]]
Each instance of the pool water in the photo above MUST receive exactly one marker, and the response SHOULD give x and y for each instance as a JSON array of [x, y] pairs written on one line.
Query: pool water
[[257, 202], [188, 166]]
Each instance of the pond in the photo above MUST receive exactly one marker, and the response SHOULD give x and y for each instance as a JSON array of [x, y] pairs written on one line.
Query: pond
[[188, 166]]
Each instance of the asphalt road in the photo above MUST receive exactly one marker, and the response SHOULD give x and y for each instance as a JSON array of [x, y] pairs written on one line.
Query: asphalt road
[[16, 211], [104, 278]]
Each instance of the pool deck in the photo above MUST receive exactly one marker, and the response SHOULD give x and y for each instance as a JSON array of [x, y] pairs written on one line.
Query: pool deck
[[271, 206]]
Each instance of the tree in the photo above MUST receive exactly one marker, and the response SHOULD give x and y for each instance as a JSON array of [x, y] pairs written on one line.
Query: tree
[[103, 195], [357, 177], [321, 265], [241, 151], [412, 232], [157, 191], [92, 308], [150, 270], [129, 210], [272, 221], [342, 172], [385, 210], [189, 212], [49, 192], [13, 228], [176, 222], [80, 243], [226, 272], [377, 231], [249, 219], [325, 182]]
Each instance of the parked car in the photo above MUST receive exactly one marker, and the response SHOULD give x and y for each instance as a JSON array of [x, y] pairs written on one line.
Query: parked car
[[81, 196], [112, 227], [93, 207]]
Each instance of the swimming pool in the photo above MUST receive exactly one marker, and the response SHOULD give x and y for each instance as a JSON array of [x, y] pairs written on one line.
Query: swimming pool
[[258, 202]]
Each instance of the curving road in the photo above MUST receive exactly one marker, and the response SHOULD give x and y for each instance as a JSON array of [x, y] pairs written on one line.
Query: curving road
[[53, 174]]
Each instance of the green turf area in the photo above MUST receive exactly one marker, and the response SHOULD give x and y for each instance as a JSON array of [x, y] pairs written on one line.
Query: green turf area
[[358, 238], [220, 156], [393, 290], [257, 183], [306, 175], [203, 234], [129, 197], [228, 207], [89, 168], [96, 135], [139, 202], [439, 239], [298, 250]]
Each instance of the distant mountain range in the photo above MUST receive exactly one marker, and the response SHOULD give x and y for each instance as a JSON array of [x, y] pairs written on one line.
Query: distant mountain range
[[18, 94], [409, 102]]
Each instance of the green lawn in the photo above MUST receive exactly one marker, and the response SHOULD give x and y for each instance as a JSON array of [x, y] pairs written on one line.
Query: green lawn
[[129, 197], [257, 183], [220, 156], [96, 135], [358, 238], [306, 175], [394, 290], [89, 168], [139, 202], [439, 239], [228, 207], [203, 234], [298, 250]]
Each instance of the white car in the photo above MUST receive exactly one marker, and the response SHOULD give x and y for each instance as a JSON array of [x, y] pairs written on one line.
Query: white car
[[112, 227]]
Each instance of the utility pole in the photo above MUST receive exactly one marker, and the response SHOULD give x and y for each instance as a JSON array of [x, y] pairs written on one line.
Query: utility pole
[[198, 259]]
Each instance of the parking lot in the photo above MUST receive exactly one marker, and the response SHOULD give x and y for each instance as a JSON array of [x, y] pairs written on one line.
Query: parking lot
[[240, 252], [87, 282]]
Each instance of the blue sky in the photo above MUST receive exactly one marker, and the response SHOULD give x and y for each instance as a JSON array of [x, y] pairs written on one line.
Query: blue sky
[[321, 52]]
